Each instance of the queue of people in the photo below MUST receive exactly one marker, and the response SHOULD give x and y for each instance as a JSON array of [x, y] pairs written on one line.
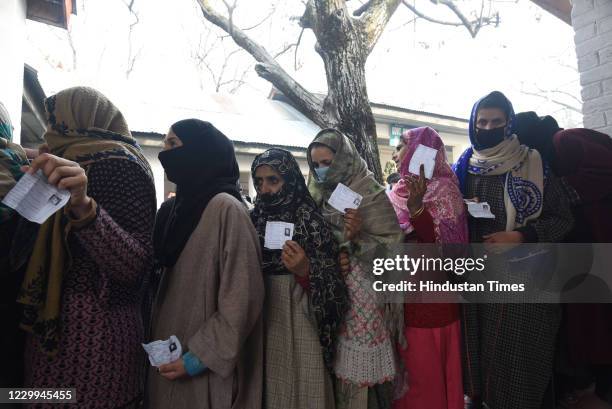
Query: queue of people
[[297, 326]]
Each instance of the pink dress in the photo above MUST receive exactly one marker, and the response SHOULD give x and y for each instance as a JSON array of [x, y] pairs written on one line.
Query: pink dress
[[432, 358]]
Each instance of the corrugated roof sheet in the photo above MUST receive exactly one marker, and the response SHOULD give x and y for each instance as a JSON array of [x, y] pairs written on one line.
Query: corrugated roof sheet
[[241, 119]]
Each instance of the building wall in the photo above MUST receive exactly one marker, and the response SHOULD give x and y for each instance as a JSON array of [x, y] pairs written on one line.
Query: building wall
[[161, 190], [456, 141], [453, 134], [12, 45], [592, 22]]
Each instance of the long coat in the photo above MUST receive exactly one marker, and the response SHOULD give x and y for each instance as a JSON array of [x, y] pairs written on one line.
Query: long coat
[[212, 301]]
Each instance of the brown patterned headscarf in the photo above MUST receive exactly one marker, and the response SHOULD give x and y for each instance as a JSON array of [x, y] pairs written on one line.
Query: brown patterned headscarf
[[379, 220], [85, 127]]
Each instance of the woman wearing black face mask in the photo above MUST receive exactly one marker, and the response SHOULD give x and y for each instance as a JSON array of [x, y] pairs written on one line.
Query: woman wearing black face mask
[[530, 206], [211, 291]]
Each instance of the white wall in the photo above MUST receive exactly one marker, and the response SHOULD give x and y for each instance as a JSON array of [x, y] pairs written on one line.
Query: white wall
[[592, 21], [12, 44], [150, 154]]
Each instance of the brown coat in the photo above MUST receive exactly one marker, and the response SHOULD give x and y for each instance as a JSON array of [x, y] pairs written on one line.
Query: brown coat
[[212, 301]]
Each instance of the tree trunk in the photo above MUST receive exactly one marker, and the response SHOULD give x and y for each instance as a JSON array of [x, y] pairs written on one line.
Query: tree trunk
[[344, 43], [344, 54]]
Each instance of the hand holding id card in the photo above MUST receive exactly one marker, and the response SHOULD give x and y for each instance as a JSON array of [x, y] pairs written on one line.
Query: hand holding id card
[[35, 199], [344, 198], [426, 156], [480, 210], [163, 352], [277, 233]]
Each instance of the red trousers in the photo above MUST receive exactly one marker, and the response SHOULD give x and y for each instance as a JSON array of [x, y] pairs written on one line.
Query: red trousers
[[433, 364]]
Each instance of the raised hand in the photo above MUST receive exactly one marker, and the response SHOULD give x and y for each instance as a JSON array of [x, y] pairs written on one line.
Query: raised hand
[[64, 174], [417, 188]]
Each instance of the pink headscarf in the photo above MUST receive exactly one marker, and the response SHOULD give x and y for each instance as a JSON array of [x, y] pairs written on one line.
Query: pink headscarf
[[443, 198]]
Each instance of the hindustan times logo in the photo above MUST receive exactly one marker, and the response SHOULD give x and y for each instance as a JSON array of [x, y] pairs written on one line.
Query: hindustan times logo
[[412, 265]]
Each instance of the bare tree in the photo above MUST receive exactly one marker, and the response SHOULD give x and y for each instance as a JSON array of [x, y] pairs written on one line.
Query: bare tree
[[485, 17], [214, 56], [344, 42], [557, 94], [564, 99], [224, 63]]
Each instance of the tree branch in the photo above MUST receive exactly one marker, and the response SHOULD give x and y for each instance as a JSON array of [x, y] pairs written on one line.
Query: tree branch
[[254, 26], [362, 9], [464, 20], [240, 82], [285, 49], [268, 68], [567, 94], [473, 27], [304, 101], [554, 101], [374, 19], [297, 46], [428, 18], [307, 20], [131, 60]]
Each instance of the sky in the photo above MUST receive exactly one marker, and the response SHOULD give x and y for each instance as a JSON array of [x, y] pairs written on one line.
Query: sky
[[416, 64]]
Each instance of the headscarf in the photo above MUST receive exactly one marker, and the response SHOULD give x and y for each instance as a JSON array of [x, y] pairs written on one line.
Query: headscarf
[[12, 158], [537, 133], [443, 200], [293, 204], [6, 126], [379, 219], [379, 224], [522, 167], [208, 163], [85, 127], [584, 158]]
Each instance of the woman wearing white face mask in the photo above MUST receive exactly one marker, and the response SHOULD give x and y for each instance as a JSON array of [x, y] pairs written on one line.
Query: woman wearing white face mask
[[365, 357]]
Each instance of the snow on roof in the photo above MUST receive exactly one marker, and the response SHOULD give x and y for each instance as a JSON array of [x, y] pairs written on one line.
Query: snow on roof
[[249, 120]]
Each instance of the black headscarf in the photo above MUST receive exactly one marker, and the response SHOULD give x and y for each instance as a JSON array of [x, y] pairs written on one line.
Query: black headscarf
[[203, 167], [537, 133], [293, 204]]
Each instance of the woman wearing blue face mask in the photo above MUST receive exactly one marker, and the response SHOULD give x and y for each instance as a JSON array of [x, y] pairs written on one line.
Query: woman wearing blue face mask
[[365, 357], [509, 347]]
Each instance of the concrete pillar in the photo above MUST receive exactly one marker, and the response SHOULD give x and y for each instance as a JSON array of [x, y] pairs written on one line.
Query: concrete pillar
[[592, 22], [12, 45]]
